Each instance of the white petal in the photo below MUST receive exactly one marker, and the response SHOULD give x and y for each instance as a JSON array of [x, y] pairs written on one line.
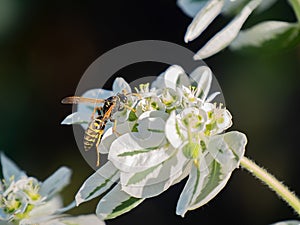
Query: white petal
[[56, 182], [204, 17], [212, 96], [10, 169], [98, 183], [87, 108], [48, 208], [226, 123], [203, 77], [115, 203], [222, 39], [45, 220], [120, 85], [173, 132], [155, 180], [131, 154], [190, 7], [82, 220], [98, 93], [158, 83], [78, 118], [172, 75]]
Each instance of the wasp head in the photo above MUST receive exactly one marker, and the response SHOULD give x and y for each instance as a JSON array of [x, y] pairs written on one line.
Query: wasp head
[[122, 97]]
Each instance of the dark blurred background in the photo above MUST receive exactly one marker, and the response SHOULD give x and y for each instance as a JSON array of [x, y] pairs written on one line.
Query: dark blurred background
[[45, 47]]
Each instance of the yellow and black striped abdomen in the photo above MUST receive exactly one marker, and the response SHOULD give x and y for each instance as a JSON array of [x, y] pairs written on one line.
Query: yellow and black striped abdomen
[[93, 133]]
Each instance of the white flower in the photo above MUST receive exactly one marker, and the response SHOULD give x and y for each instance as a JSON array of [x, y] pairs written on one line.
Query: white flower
[[26, 201], [204, 12], [175, 132]]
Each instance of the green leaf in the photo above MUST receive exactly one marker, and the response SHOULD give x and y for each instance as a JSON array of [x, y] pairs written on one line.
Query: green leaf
[[269, 36], [116, 203], [132, 116], [98, 183]]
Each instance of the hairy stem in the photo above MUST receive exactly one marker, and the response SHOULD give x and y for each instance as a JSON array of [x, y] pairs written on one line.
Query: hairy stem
[[275, 185]]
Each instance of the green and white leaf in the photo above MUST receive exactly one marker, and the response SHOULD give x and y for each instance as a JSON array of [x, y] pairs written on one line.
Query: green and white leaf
[[130, 154], [268, 35], [204, 184], [109, 136], [116, 203], [155, 180], [227, 149], [173, 132], [97, 183], [203, 18], [223, 38]]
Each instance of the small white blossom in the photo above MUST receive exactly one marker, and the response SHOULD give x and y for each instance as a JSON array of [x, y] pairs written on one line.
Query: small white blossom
[[26, 201]]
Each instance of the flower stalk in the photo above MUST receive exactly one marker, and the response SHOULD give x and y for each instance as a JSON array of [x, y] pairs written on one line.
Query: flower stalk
[[281, 190]]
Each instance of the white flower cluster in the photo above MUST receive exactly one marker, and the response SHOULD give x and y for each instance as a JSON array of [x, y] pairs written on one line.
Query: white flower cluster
[[173, 132], [26, 201]]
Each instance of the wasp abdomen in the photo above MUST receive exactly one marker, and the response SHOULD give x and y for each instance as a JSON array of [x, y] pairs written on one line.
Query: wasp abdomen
[[93, 133]]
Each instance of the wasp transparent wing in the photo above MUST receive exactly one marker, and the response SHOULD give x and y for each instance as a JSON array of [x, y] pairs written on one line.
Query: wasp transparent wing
[[77, 100]]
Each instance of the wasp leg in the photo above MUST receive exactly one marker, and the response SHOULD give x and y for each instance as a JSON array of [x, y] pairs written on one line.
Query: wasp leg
[[114, 128], [97, 149], [98, 110]]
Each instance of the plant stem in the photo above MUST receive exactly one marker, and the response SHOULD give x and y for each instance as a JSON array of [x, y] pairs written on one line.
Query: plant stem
[[275, 185], [296, 7]]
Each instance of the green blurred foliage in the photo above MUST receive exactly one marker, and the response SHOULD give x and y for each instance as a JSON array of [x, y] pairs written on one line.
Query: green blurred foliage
[[47, 45]]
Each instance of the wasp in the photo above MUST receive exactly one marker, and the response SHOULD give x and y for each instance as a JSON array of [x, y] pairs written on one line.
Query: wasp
[[93, 133]]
